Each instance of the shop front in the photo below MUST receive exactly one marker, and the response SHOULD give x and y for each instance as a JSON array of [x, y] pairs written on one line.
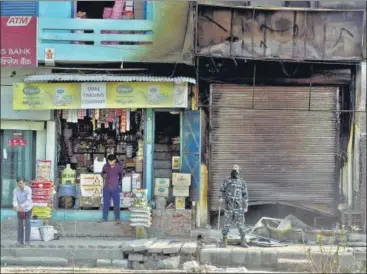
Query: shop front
[[284, 138], [141, 122]]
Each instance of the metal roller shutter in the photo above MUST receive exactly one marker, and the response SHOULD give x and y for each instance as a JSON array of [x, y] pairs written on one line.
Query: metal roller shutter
[[19, 8], [284, 140]]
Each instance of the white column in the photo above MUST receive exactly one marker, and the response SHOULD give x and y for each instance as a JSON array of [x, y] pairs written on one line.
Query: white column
[[41, 141], [359, 157], [51, 146]]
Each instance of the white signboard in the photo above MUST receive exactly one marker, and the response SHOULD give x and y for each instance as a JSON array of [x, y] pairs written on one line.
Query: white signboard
[[93, 95], [180, 95]]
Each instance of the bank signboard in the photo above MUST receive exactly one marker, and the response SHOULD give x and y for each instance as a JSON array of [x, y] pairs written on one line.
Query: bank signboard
[[18, 41]]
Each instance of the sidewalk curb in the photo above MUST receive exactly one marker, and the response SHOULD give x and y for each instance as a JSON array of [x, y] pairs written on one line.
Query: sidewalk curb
[[34, 261]]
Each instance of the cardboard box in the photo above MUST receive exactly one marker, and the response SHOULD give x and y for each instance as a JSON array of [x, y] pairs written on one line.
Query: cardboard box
[[161, 191], [181, 191], [176, 163], [162, 182], [181, 179], [180, 203]]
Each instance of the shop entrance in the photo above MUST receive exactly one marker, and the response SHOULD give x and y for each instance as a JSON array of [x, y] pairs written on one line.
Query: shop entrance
[[86, 137], [167, 142]]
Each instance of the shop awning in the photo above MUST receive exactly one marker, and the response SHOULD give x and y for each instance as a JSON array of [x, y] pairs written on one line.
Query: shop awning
[[105, 78]]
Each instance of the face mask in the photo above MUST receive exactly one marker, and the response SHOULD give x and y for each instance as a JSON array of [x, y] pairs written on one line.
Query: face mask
[[234, 174]]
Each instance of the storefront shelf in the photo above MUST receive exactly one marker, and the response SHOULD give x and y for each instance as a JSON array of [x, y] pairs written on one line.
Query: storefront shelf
[[94, 40]]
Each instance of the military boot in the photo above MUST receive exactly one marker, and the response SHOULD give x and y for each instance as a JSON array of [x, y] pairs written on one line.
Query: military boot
[[243, 242], [225, 241]]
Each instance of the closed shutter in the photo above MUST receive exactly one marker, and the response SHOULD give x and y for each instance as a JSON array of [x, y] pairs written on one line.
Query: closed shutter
[[284, 140], [19, 8]]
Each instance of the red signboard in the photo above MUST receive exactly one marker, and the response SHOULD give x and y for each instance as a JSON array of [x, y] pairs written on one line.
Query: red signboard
[[19, 41], [17, 142]]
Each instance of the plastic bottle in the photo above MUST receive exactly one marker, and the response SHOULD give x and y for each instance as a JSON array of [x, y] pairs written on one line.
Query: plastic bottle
[[68, 176]]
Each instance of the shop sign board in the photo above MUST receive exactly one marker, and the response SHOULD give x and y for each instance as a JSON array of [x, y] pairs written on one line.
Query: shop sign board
[[18, 41], [93, 95], [15, 142], [46, 96]]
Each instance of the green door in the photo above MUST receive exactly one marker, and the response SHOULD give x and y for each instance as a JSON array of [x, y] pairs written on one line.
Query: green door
[[17, 160]]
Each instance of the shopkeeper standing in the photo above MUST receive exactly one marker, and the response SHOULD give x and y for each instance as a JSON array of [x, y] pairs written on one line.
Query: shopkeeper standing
[[112, 174], [22, 204]]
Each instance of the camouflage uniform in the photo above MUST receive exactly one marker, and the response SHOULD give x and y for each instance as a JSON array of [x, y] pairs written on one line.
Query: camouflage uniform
[[234, 193]]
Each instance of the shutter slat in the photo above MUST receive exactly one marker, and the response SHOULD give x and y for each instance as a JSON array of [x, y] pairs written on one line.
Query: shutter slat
[[19, 8]]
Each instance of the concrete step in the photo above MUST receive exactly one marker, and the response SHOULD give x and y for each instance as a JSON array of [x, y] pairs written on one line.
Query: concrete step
[[163, 164], [162, 148], [163, 173], [163, 156]]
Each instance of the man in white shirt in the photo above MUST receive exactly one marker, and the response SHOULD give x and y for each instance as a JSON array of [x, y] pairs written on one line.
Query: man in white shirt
[[22, 204]]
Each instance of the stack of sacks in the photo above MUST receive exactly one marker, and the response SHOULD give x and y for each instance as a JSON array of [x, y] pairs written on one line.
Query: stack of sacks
[[140, 213], [42, 193]]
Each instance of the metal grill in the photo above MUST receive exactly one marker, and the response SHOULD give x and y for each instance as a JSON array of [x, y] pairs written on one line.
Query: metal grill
[[284, 140]]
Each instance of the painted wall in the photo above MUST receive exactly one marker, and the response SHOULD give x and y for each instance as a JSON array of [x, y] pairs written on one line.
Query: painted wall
[[55, 9]]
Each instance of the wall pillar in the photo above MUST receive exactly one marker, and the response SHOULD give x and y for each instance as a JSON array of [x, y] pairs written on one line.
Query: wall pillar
[[359, 152], [148, 152], [51, 146]]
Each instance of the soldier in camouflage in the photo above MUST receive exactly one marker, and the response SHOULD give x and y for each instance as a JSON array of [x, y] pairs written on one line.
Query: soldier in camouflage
[[234, 194]]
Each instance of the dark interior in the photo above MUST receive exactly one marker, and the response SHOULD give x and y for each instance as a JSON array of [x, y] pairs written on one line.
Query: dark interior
[[94, 9]]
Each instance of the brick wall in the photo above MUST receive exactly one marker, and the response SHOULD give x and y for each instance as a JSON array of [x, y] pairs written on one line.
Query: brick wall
[[170, 223]]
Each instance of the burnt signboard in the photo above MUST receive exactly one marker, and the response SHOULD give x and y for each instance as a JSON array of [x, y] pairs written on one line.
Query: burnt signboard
[[280, 33]]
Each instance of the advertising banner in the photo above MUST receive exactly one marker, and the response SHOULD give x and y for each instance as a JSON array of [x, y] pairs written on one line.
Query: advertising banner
[[91, 185], [46, 96], [19, 41], [43, 96]]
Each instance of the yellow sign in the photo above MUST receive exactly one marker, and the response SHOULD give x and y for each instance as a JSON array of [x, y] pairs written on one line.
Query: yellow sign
[[46, 96], [140, 95], [43, 96]]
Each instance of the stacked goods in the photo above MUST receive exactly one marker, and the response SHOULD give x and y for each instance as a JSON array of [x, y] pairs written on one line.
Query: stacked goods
[[136, 181], [140, 156], [181, 188], [107, 13], [42, 193], [67, 188], [126, 200], [140, 212], [161, 191], [90, 190], [43, 171]]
